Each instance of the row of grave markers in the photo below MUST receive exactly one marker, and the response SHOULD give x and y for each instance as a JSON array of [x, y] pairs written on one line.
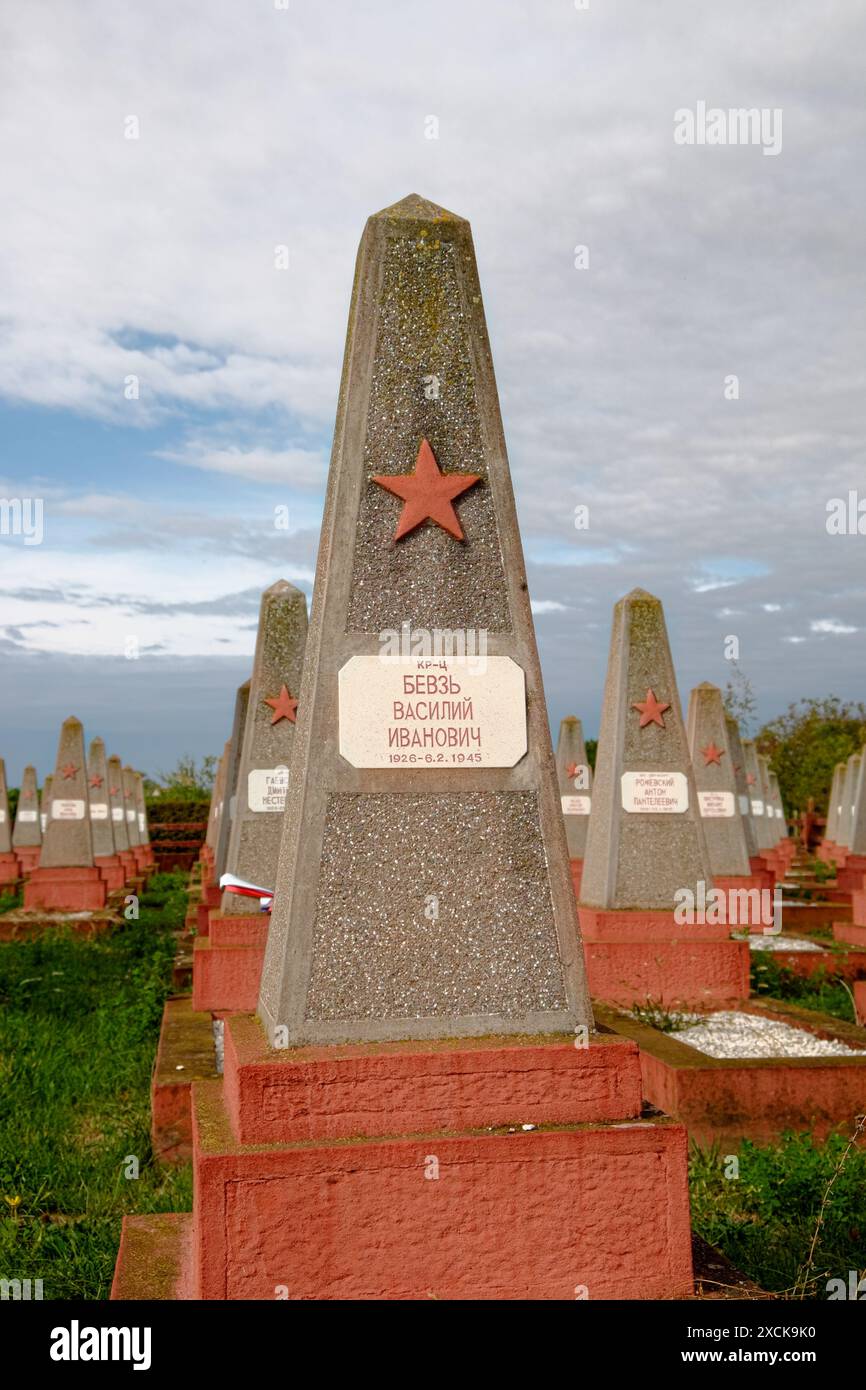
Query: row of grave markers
[[85, 838], [423, 1106]]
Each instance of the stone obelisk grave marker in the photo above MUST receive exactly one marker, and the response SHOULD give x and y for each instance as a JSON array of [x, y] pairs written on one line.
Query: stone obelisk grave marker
[[27, 834], [646, 873], [424, 934], [67, 878], [574, 775], [406, 766], [130, 811], [760, 874], [235, 748], [8, 861], [105, 857], [268, 740], [117, 806], [715, 767]]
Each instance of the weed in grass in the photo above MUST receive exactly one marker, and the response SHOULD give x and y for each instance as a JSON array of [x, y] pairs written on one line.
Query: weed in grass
[[785, 1221]]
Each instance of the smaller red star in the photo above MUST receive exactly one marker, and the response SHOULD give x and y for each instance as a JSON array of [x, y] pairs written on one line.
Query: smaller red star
[[114, 790], [712, 754], [69, 772], [284, 707], [127, 795], [750, 778], [572, 770], [96, 780], [26, 796], [651, 710]]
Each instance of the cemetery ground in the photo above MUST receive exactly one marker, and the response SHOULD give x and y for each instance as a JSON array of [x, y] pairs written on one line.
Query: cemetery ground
[[79, 1034], [79, 1024]]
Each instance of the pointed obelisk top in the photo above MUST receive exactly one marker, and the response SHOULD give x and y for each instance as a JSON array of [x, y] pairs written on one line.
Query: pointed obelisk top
[[415, 208]]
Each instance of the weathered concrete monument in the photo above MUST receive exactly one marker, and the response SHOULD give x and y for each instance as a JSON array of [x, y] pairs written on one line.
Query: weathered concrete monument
[[67, 878], [228, 954], [117, 804], [27, 834], [715, 765], [105, 856], [268, 738], [423, 974], [646, 873], [9, 871], [575, 785]]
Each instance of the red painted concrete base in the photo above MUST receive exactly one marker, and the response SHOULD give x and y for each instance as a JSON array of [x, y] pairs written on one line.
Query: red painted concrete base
[[851, 878], [845, 965], [635, 956], [28, 858], [761, 870], [227, 964], [112, 870], [850, 934], [68, 890], [9, 871], [728, 1100], [858, 907], [476, 1208], [860, 1001]]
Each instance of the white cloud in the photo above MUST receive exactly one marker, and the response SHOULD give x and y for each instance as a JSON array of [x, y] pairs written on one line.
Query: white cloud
[[547, 605], [832, 625]]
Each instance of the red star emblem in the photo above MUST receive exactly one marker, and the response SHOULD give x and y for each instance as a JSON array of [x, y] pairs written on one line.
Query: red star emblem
[[651, 710], [69, 772], [712, 754], [114, 790], [572, 770], [750, 778], [127, 795], [96, 780], [26, 796], [428, 494], [283, 706]]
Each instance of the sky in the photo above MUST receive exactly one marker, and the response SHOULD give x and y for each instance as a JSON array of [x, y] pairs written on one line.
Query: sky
[[694, 377]]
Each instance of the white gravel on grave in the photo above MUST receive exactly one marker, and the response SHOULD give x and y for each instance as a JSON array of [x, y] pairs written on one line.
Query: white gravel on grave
[[783, 943], [729, 1033], [219, 1030]]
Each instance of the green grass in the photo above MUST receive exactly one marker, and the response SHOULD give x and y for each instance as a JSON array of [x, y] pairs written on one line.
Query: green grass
[[10, 900], [79, 1024], [822, 990], [765, 1220]]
